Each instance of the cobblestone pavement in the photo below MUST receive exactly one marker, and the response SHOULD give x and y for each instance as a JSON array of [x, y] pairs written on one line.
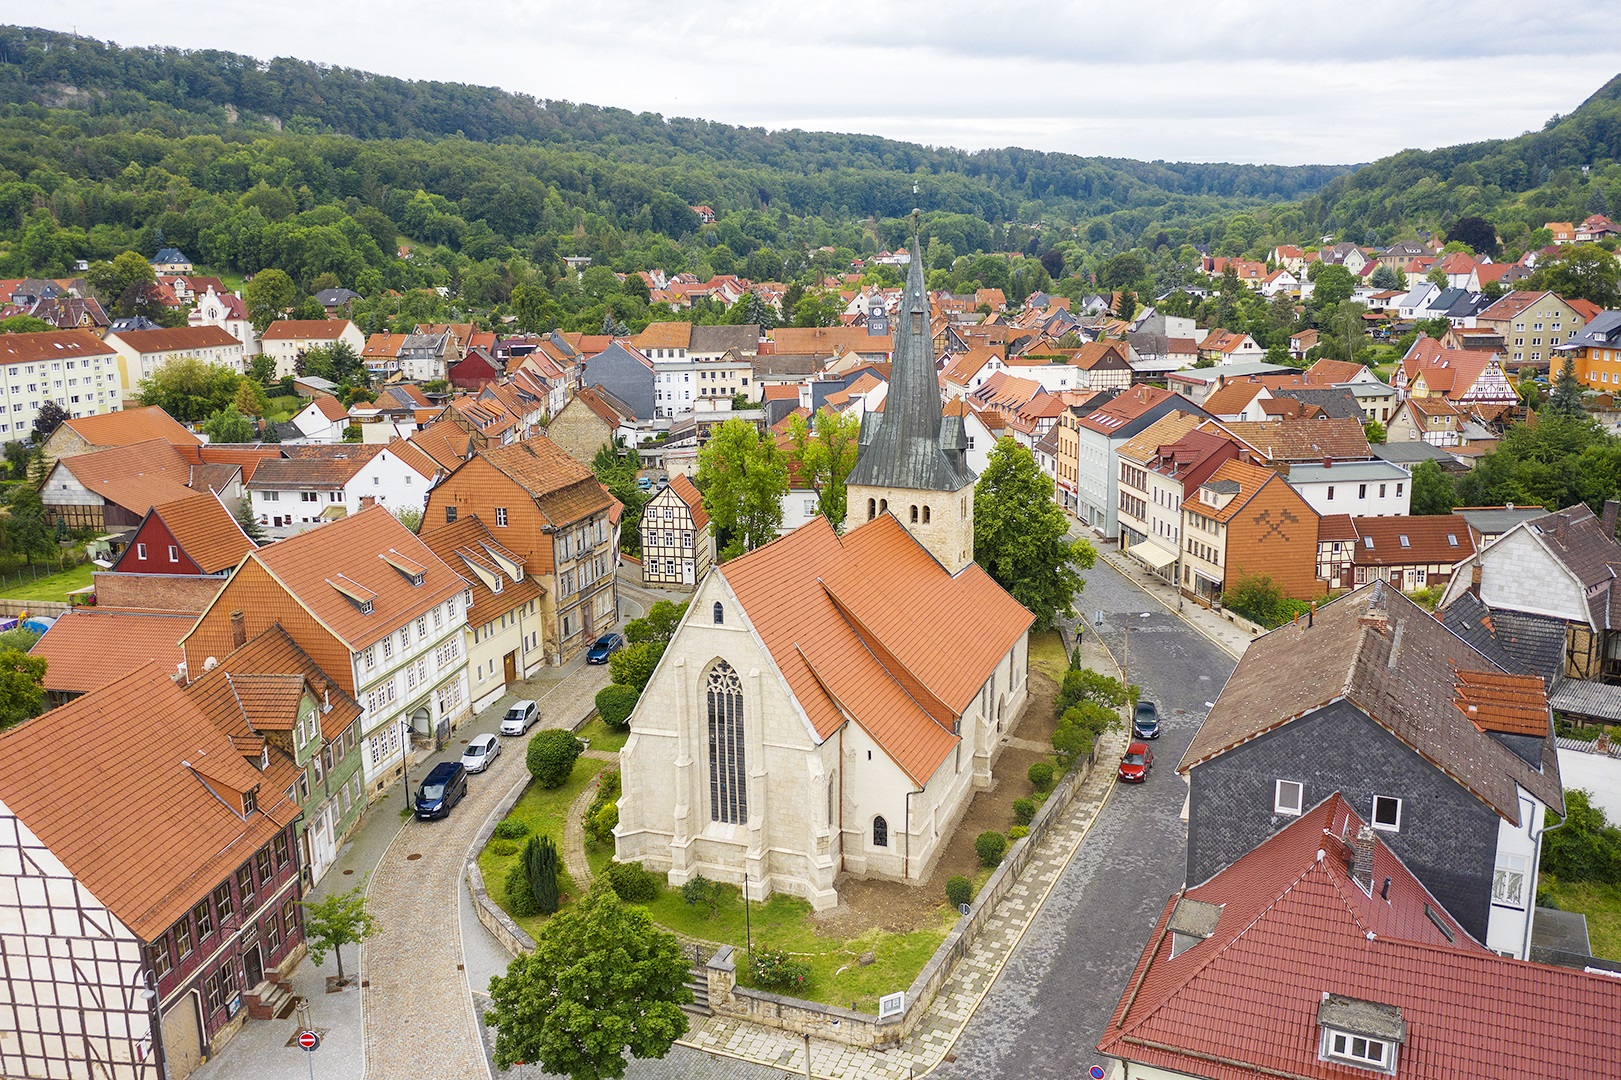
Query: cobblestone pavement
[[416, 1002], [1050, 1004], [1227, 636]]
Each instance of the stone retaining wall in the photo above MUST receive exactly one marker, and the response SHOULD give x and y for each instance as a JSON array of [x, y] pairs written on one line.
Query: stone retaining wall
[[511, 936]]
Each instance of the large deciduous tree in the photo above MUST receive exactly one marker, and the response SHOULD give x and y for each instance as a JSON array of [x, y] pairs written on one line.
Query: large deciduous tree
[[1582, 272], [1433, 491], [1477, 232], [229, 426], [743, 477], [603, 980], [268, 295], [50, 417], [823, 456], [190, 390], [110, 281], [1021, 536], [26, 529]]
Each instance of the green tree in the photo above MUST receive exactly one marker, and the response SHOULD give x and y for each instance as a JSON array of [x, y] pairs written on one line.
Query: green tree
[[1432, 490], [633, 666], [1387, 277], [250, 399], [1335, 284], [743, 477], [1586, 846], [1259, 599], [22, 691], [335, 921], [50, 417], [533, 306], [26, 528], [190, 390], [229, 426], [539, 860], [659, 624], [268, 296], [551, 756], [603, 980], [1477, 232], [24, 324], [1021, 536], [1566, 399], [249, 523], [264, 369], [1581, 272], [823, 456], [615, 703], [1374, 430], [110, 281]]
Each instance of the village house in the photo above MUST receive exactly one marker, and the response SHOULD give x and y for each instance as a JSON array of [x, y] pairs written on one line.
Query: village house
[[194, 534], [317, 483], [1597, 353], [375, 609], [678, 547], [1533, 323], [1196, 384], [286, 340], [323, 420], [1244, 520], [551, 511], [227, 311], [1409, 553], [398, 411], [1154, 469], [88, 647], [1433, 420], [1225, 347], [1100, 433], [73, 368], [112, 489], [587, 423], [71, 313], [1371, 488], [166, 888], [143, 353], [1452, 757]]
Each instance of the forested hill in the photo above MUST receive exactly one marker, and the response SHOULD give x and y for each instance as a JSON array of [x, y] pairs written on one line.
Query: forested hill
[[177, 92]]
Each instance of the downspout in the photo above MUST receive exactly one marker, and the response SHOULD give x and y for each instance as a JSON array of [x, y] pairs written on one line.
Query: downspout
[[1536, 875]]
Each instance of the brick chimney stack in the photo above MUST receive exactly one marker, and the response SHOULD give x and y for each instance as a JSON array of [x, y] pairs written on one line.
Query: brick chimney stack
[[1362, 859], [239, 630], [1611, 517]]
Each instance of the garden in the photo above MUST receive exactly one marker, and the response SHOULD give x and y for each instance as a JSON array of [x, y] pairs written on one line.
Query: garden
[[881, 934], [1581, 871]]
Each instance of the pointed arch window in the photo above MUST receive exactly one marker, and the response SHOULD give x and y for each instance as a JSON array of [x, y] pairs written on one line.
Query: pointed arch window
[[720, 613], [728, 777], [880, 832]]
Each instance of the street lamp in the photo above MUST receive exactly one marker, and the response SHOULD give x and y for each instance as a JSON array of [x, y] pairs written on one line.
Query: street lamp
[[405, 763]]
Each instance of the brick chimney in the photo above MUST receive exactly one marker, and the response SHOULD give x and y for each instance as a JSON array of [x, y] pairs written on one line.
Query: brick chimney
[[1362, 859], [1611, 517], [1474, 581], [239, 630], [368, 501]]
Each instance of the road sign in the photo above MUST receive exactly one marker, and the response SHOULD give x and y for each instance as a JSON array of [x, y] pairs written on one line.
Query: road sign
[[1096, 1072], [309, 1041]]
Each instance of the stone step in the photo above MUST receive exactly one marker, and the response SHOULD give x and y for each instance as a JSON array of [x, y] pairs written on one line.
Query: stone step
[[267, 1000]]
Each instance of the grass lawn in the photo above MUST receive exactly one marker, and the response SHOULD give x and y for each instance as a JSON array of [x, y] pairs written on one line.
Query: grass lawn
[[544, 812], [49, 587], [1602, 906], [283, 406], [603, 737], [1047, 655]]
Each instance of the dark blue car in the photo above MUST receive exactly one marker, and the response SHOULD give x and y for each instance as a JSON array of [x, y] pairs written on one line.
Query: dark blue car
[[1145, 721], [444, 788], [605, 646]]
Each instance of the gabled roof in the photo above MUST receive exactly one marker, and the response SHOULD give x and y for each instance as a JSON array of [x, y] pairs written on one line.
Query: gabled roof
[[1295, 942], [1339, 438], [50, 345], [1576, 539], [175, 338], [1143, 447], [563, 489], [687, 493], [467, 545], [870, 624], [155, 820], [88, 647], [445, 442], [205, 531], [305, 330], [325, 471], [1404, 541], [1124, 408], [1398, 665], [330, 407], [135, 477], [129, 426]]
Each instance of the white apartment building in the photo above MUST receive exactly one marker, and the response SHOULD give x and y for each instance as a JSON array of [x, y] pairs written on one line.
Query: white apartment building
[[142, 353], [1357, 488], [73, 368]]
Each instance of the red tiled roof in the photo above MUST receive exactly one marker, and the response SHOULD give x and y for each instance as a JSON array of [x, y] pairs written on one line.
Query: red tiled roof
[[89, 647], [1124, 408], [175, 338], [1498, 701], [130, 426], [51, 345], [205, 531], [467, 546], [331, 407], [687, 493], [245, 688], [1404, 541], [305, 330]]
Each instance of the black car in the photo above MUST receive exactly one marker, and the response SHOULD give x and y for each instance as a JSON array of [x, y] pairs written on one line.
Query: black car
[[445, 786], [1145, 721], [605, 646]]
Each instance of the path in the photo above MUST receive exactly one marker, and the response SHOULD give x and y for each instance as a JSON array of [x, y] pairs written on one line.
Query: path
[[574, 860]]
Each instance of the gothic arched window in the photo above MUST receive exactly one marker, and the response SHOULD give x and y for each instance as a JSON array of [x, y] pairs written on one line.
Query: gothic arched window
[[872, 509], [880, 832], [728, 777], [914, 514], [720, 614]]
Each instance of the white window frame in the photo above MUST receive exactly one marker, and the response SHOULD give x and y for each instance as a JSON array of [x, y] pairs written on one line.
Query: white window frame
[[1341, 1046], [1373, 814], [1507, 871], [1278, 805]]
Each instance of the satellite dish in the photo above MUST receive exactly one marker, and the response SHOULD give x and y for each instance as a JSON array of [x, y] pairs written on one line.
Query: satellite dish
[[211, 663]]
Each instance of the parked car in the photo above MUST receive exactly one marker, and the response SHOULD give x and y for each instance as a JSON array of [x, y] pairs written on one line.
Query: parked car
[[1136, 762], [1145, 721], [445, 786], [664, 481], [644, 482], [519, 717], [605, 646], [481, 750]]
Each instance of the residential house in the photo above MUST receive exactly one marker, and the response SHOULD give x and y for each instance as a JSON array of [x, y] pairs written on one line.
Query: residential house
[[71, 313], [587, 424], [1099, 433], [1372, 697], [967, 371], [1434, 420], [1157, 471], [112, 489], [286, 340], [1102, 365], [1487, 523], [1563, 232], [165, 889], [1372, 488], [1347, 255], [1409, 553], [1595, 228], [503, 640], [73, 368], [1463, 378], [317, 482], [551, 511], [323, 420], [398, 411], [375, 609], [1244, 520], [1366, 974], [1533, 324], [1225, 347], [474, 372], [629, 377], [1597, 353], [143, 353], [88, 647], [81, 435], [336, 301], [424, 357], [1196, 384], [227, 311], [678, 547], [828, 341], [170, 261], [195, 534]]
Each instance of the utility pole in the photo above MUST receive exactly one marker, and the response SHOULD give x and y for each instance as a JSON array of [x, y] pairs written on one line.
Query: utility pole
[[405, 761]]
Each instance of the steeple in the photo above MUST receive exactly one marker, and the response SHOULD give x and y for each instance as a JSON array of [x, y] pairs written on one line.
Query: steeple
[[901, 447]]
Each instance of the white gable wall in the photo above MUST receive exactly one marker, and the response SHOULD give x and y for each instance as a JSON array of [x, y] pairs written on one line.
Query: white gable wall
[[1518, 573]]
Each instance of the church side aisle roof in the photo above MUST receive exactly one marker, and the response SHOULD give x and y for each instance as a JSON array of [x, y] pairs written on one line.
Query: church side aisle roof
[[871, 622]]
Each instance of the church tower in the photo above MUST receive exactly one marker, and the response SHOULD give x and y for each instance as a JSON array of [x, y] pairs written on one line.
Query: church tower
[[913, 461]]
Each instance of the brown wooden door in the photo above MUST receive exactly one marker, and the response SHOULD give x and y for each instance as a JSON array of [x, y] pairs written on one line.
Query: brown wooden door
[[253, 967], [509, 665]]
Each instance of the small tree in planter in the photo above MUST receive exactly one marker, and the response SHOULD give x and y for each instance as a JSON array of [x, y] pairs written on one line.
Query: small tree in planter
[[340, 919]]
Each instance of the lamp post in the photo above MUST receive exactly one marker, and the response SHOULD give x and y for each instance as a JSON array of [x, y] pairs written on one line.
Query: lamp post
[[405, 760]]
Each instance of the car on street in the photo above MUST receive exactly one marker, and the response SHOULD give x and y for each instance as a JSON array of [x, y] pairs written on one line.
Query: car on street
[[481, 750], [519, 716], [1136, 762], [664, 482], [645, 483], [605, 646], [1145, 721], [445, 786]]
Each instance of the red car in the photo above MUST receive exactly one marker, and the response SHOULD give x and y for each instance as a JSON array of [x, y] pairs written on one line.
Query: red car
[[1135, 764]]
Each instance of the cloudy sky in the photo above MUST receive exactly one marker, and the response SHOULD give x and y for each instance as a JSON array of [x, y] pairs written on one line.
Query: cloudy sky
[[1215, 80]]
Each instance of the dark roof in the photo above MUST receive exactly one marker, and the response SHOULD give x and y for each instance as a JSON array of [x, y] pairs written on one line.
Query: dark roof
[[745, 339], [1398, 665], [624, 375], [1410, 453], [1515, 641], [1576, 538], [1497, 520], [1336, 402], [905, 449]]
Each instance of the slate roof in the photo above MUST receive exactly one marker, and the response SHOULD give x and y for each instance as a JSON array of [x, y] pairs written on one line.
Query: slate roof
[[143, 831], [1497, 520], [1394, 662], [1298, 942], [88, 647], [870, 625], [1576, 539], [1337, 402], [1515, 641], [744, 339]]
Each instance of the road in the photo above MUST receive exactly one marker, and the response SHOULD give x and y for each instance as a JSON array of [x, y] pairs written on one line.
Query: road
[[1046, 1011]]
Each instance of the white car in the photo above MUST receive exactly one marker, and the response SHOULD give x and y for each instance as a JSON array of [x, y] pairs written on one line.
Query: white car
[[518, 718], [481, 750]]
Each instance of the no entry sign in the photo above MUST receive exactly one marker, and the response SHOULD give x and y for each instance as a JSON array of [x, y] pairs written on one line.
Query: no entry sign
[[309, 1040]]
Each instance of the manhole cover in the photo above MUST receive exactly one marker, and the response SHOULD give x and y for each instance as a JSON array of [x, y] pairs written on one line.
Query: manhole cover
[[414, 856], [347, 872]]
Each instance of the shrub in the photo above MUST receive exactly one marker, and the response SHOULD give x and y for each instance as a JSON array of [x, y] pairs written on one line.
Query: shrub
[[502, 848], [633, 665], [510, 829], [551, 756], [1586, 847], [600, 825], [960, 891], [774, 969], [614, 705], [520, 897], [990, 847], [1040, 775], [632, 883], [540, 866], [699, 890], [1018, 832], [1024, 810]]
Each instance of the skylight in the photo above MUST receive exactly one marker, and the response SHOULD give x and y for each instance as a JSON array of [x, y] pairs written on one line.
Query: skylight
[[1403, 538]]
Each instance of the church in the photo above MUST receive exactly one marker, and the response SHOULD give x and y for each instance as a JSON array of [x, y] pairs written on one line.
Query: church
[[831, 702]]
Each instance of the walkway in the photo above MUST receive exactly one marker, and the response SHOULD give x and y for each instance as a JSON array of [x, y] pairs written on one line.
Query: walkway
[[1229, 637], [574, 860]]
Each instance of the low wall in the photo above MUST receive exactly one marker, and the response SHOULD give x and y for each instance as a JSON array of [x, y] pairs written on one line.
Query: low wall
[[48, 608], [511, 936]]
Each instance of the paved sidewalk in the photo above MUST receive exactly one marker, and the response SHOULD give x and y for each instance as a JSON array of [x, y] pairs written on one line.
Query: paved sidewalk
[[1229, 637]]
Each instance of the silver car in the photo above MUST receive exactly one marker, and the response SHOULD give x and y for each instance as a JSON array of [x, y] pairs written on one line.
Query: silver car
[[481, 750], [519, 717]]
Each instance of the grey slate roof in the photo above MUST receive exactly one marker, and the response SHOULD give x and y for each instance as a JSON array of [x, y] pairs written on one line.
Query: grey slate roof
[[1603, 332], [706, 339], [1497, 520], [624, 376], [1411, 453], [1338, 402], [1598, 700], [1517, 642], [906, 447]]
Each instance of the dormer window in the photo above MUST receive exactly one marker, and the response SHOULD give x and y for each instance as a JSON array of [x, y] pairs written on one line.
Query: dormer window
[[1366, 1034], [1358, 1050], [250, 802]]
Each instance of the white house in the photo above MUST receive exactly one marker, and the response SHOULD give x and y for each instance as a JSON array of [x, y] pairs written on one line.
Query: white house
[[142, 353], [322, 420], [1357, 488], [230, 314], [326, 483], [285, 340]]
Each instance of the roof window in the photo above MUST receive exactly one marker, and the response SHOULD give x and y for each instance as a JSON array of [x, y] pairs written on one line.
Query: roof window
[[1366, 1034], [1404, 542]]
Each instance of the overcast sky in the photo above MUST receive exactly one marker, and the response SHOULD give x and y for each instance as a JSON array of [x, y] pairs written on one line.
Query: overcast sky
[[1214, 80]]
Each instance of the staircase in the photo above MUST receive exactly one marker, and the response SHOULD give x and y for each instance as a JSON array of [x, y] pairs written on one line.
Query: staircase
[[271, 1000], [697, 978]]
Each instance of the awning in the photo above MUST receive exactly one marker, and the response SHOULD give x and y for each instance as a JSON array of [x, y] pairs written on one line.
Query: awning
[[1151, 555]]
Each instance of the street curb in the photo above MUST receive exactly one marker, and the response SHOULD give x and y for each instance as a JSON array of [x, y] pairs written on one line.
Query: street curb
[[1217, 642]]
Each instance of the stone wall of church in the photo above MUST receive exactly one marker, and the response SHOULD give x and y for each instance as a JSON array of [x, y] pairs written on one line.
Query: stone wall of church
[[944, 522]]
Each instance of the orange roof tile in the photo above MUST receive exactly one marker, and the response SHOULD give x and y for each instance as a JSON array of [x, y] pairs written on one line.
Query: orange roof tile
[[305, 330], [205, 530], [443, 441], [130, 426], [51, 345], [135, 477], [413, 457], [90, 647], [688, 493], [468, 546], [664, 335], [175, 338], [331, 407], [1497, 701], [564, 489]]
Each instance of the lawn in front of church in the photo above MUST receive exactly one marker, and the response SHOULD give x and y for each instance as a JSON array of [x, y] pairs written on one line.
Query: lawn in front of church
[[544, 811]]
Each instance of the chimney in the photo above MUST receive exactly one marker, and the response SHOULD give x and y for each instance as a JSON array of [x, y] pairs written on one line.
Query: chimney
[[368, 501], [1362, 859], [239, 630], [1328, 463], [1474, 581], [1611, 517]]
